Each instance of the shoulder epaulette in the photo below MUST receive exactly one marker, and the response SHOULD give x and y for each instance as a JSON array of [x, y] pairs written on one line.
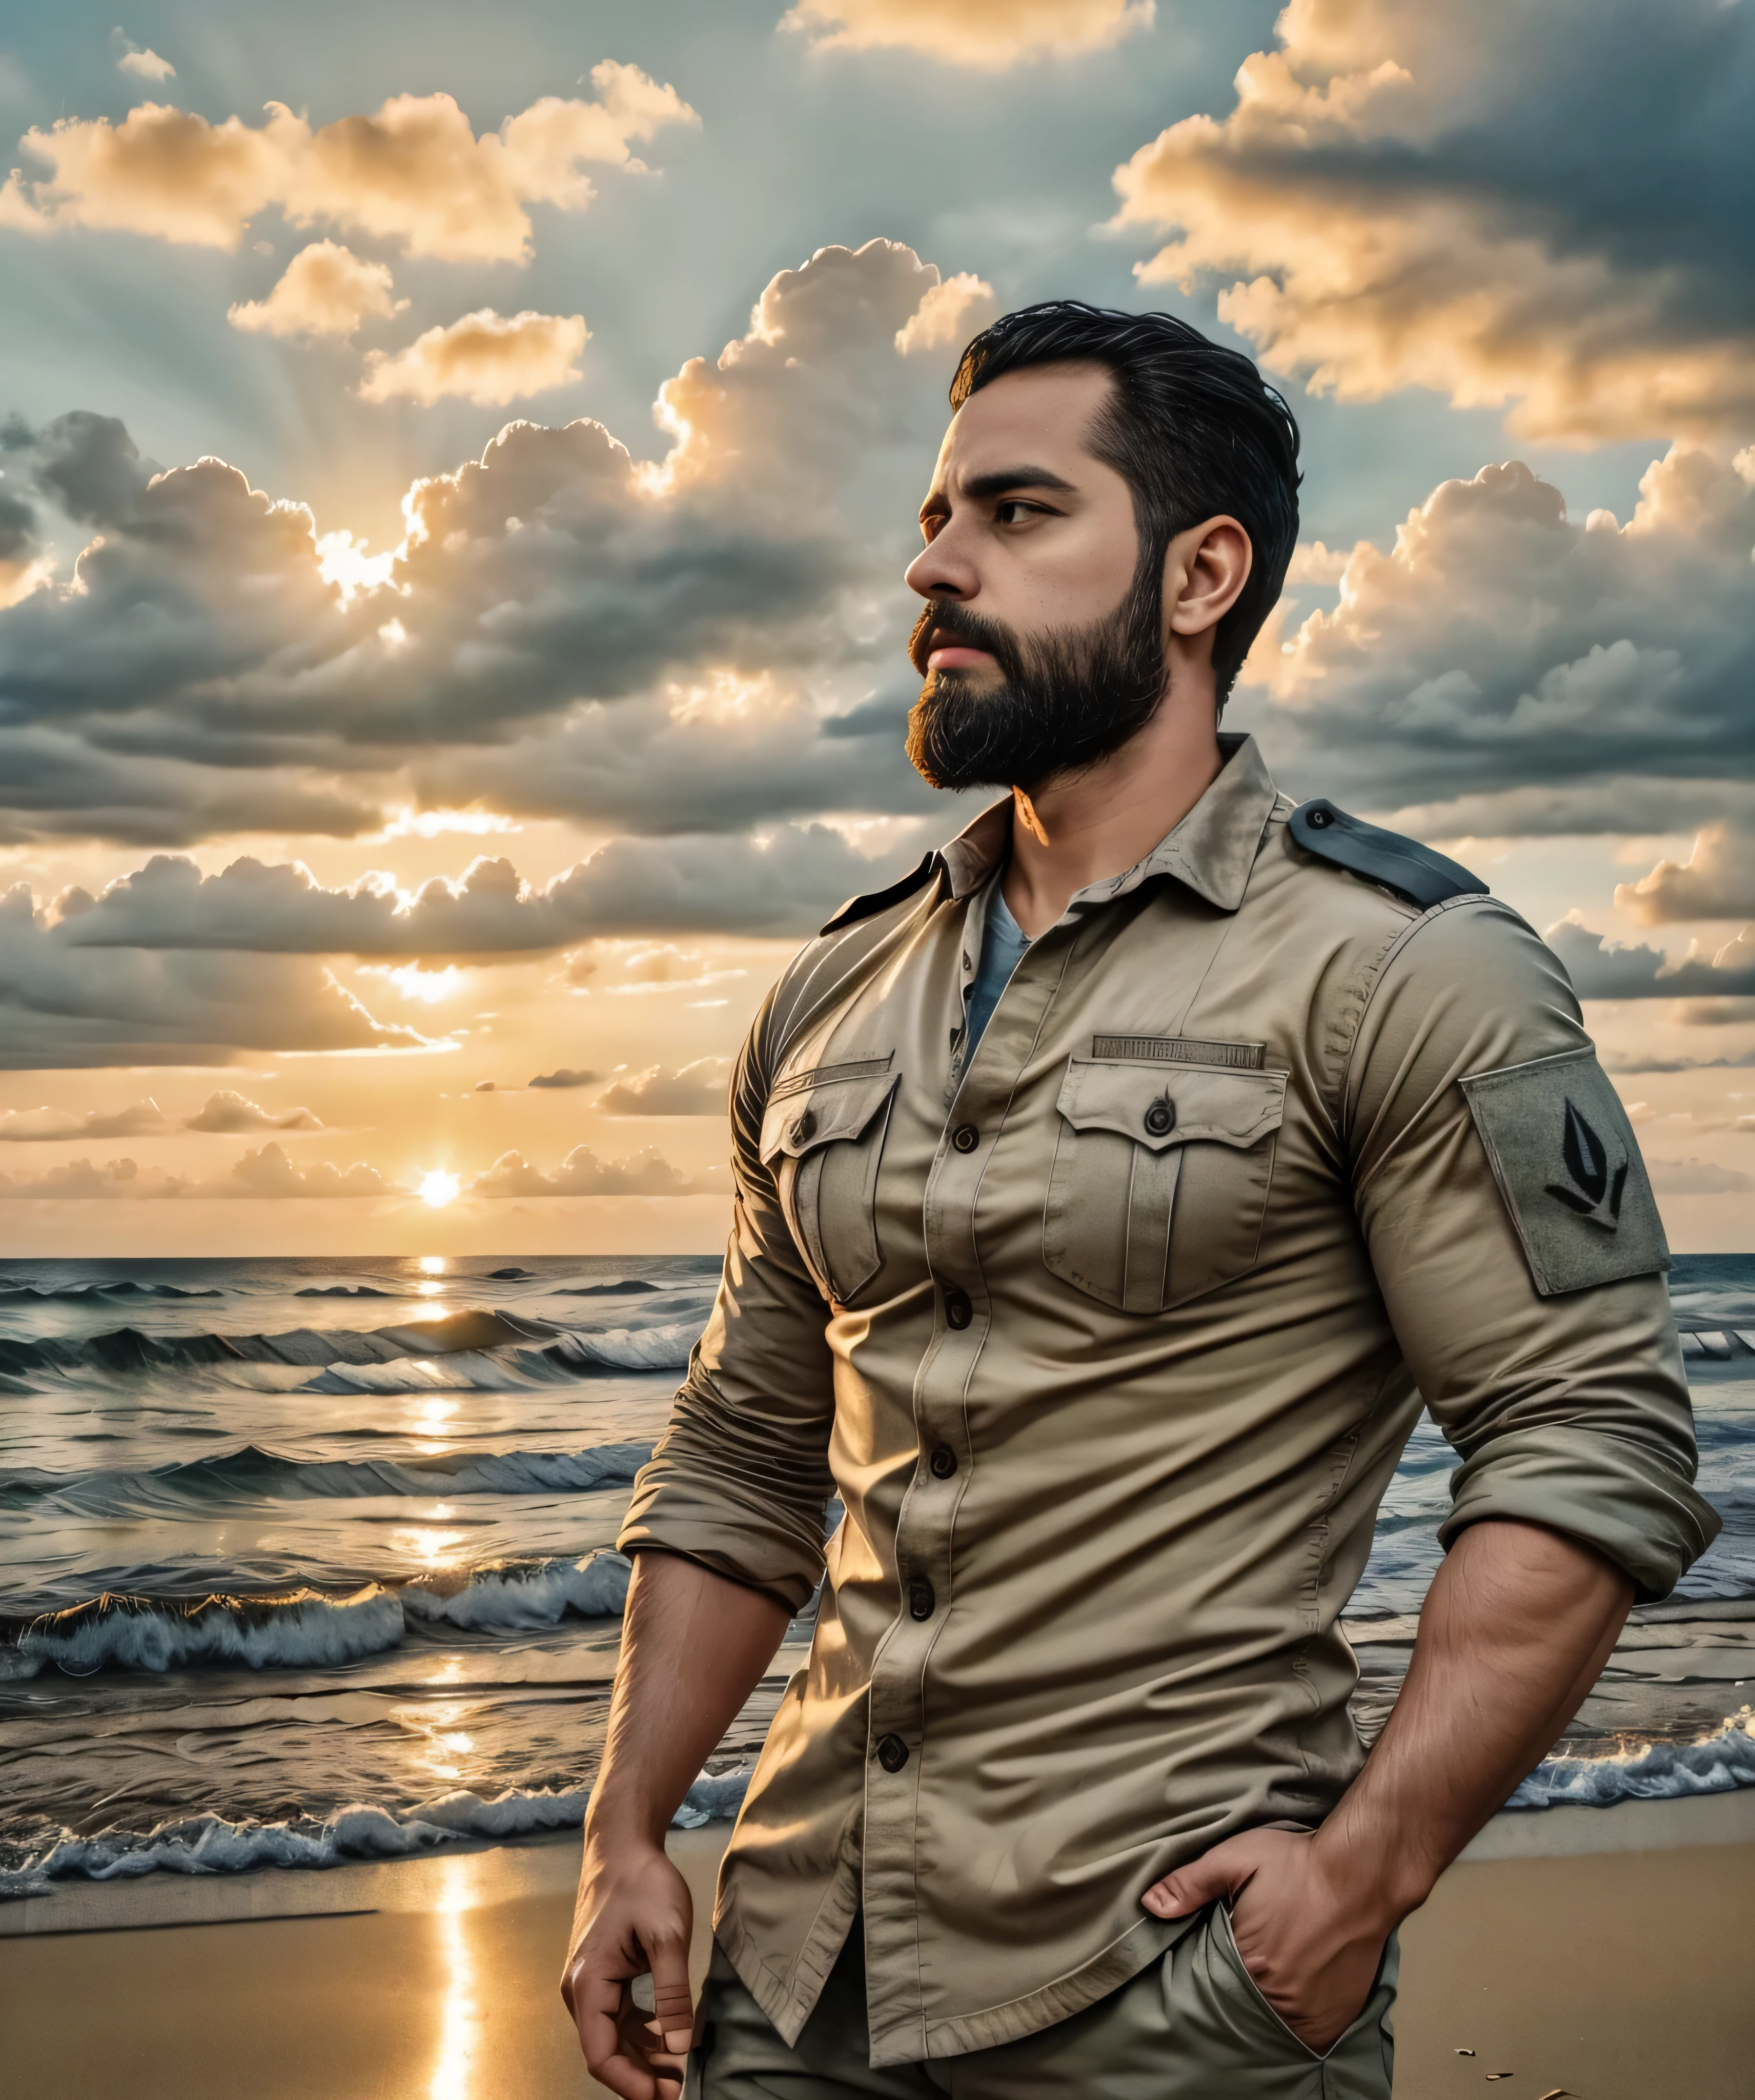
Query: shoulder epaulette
[[1414, 872], [857, 908]]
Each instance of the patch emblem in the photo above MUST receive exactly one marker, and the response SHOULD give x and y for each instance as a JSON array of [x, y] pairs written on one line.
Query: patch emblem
[[1567, 1164]]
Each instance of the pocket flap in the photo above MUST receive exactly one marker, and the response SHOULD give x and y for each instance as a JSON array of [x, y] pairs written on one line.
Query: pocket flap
[[1156, 1106], [832, 1108]]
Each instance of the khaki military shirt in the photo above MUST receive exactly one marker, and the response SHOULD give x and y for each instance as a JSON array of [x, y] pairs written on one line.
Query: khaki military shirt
[[1109, 1339]]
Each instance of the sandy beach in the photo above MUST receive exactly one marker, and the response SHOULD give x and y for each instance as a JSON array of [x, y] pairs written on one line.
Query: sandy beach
[[1601, 1951]]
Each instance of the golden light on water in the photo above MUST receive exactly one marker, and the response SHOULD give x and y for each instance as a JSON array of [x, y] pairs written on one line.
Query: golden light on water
[[438, 1189], [432, 1264]]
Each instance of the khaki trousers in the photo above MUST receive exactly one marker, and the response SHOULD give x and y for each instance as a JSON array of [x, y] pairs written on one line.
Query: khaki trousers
[[1190, 2027]]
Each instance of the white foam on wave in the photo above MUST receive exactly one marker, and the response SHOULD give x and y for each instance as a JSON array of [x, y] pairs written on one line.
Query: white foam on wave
[[633, 1348], [307, 1631], [1717, 1763], [363, 1831], [595, 1587]]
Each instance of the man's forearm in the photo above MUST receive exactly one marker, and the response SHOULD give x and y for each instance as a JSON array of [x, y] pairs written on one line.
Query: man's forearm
[[1516, 1628], [694, 1648]]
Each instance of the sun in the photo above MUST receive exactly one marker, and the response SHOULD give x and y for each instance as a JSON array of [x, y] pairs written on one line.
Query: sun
[[438, 1188]]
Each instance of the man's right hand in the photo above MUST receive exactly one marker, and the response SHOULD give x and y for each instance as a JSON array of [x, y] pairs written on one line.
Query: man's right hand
[[634, 1917]]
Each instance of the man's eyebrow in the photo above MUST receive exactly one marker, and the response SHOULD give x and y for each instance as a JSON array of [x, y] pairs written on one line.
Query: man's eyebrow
[[981, 485]]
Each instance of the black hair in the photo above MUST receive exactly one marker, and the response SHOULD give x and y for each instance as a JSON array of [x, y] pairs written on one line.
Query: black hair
[[1192, 427]]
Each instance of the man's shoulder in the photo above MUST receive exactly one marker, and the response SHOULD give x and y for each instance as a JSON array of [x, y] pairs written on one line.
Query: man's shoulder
[[1320, 835]]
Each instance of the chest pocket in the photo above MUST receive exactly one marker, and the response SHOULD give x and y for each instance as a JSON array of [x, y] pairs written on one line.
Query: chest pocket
[[1160, 1179], [822, 1139]]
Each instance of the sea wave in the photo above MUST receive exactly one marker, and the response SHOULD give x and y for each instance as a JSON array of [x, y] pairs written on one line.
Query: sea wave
[[304, 1630], [328, 1350], [210, 1845], [15, 1294], [255, 1474], [1717, 1763]]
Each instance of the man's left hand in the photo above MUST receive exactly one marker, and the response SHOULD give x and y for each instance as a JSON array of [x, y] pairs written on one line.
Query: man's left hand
[[1311, 1940]]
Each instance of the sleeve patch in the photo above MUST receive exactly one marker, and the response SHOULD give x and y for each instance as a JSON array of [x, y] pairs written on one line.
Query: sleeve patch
[[1567, 1164]]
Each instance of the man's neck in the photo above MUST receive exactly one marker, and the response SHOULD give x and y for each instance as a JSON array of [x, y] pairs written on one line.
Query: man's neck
[[1077, 831]]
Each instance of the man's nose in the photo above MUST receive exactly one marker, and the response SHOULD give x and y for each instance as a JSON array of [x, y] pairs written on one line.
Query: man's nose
[[942, 569]]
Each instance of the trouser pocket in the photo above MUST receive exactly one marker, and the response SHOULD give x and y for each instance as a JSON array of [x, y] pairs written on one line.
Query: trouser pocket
[[1233, 2043]]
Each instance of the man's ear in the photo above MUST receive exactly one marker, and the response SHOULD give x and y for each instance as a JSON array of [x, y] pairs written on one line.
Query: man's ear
[[1205, 570]]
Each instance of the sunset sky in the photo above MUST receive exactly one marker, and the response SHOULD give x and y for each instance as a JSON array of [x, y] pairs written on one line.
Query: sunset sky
[[458, 464]]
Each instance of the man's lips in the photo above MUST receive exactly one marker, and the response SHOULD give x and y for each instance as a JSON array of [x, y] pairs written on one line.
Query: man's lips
[[956, 656]]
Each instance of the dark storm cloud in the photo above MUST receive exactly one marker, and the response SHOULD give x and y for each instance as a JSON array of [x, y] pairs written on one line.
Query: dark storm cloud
[[1551, 207], [1600, 971], [785, 883], [552, 608], [1531, 671]]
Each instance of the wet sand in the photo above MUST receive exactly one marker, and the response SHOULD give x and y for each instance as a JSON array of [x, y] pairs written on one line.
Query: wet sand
[[1612, 1964]]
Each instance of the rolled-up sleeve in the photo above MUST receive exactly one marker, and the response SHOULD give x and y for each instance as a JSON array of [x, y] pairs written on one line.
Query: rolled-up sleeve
[[1568, 1405], [740, 1478]]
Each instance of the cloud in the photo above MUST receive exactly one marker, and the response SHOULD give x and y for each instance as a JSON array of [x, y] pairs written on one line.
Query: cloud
[[228, 1114], [414, 172], [970, 33], [270, 1173], [1696, 1177], [566, 1076], [1716, 881], [1536, 673], [1600, 971], [643, 1173], [785, 883], [486, 357], [949, 315], [1412, 195], [46, 1126], [700, 1089], [134, 58], [693, 640], [62, 1007], [326, 290]]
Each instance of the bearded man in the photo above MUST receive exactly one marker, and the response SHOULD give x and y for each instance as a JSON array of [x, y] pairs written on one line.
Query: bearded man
[[1111, 1193]]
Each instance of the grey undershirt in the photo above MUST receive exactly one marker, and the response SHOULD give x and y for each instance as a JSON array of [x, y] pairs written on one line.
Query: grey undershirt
[[1002, 950]]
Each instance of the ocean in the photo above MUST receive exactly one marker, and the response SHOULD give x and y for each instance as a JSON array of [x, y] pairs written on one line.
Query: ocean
[[313, 1561]]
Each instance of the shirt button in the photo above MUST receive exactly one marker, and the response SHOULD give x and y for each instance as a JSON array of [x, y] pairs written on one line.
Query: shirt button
[[804, 1127], [958, 1312], [966, 1137], [920, 1600], [892, 1753], [1161, 1117], [943, 1463]]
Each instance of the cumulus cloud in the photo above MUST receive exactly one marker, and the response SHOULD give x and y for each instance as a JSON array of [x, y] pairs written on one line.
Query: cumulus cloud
[[1411, 196], [643, 1173], [79, 1180], [564, 1077], [1716, 881], [414, 172], [1600, 969], [135, 60], [695, 640], [990, 34], [61, 1006], [1503, 668], [785, 883], [949, 315], [268, 1173], [224, 1113], [325, 290], [486, 357], [46, 1126], [227, 1114], [700, 1089]]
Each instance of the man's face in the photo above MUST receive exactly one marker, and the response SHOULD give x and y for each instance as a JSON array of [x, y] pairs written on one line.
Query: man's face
[[1040, 644]]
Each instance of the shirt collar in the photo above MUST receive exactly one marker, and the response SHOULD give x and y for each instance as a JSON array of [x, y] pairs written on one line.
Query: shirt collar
[[1211, 850]]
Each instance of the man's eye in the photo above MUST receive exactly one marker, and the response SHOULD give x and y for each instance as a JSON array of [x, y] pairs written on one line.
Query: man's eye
[[1014, 510]]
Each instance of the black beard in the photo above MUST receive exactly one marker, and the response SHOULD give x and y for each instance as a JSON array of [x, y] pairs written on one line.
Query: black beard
[[1064, 700]]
